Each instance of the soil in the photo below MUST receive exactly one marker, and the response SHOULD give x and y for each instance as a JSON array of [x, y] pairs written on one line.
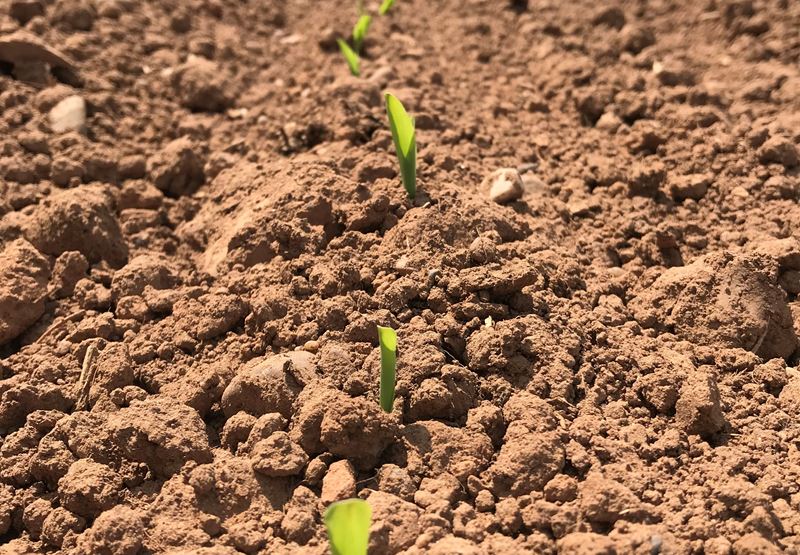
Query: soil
[[595, 293]]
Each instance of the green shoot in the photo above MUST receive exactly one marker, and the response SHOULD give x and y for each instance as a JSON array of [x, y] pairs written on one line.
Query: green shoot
[[353, 61], [348, 525], [388, 340], [360, 31], [386, 5], [405, 142]]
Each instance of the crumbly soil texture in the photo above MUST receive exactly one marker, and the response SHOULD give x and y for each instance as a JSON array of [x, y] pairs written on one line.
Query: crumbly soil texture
[[595, 289]]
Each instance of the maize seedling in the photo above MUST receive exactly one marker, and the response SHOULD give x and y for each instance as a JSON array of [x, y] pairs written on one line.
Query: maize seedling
[[353, 61], [405, 142], [348, 525], [388, 340]]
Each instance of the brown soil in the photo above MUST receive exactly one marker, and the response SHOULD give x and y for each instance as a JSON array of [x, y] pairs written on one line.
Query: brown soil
[[214, 245]]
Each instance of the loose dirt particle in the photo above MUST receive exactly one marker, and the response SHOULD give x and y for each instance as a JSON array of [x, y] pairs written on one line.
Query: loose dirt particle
[[526, 462], [339, 482], [23, 276], [82, 220], [278, 456], [161, 433], [731, 300], [89, 488], [117, 532], [698, 409], [263, 386], [61, 526], [201, 86], [177, 169]]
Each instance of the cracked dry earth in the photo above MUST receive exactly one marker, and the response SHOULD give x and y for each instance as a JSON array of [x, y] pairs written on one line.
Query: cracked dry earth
[[200, 206]]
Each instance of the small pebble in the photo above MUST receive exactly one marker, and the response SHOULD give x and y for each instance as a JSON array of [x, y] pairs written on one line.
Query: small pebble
[[504, 185], [68, 115]]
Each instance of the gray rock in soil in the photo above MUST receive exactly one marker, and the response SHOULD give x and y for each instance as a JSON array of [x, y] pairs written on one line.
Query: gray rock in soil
[[68, 115], [503, 185]]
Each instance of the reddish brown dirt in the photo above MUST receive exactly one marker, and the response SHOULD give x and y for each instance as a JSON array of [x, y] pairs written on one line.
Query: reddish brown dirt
[[227, 227]]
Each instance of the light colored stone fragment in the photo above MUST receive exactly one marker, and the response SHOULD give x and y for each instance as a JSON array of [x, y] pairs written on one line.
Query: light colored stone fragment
[[69, 115]]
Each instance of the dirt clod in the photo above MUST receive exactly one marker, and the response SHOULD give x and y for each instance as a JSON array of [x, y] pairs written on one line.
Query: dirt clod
[[278, 456], [201, 86], [263, 386], [23, 286], [731, 300], [89, 488], [698, 409], [82, 220], [177, 169]]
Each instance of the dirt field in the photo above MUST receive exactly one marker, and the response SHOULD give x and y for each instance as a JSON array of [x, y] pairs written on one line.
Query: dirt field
[[202, 222]]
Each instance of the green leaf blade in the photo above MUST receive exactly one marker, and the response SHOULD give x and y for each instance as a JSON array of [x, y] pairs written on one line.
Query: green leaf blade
[[348, 525], [387, 338], [353, 61], [401, 122], [360, 31], [386, 5], [408, 170], [404, 136]]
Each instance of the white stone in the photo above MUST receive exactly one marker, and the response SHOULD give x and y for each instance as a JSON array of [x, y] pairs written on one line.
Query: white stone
[[69, 115], [609, 121], [504, 185]]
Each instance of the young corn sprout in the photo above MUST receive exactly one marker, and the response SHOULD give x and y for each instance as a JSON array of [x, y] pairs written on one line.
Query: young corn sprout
[[348, 525], [353, 61], [386, 5], [405, 142], [360, 31], [388, 340]]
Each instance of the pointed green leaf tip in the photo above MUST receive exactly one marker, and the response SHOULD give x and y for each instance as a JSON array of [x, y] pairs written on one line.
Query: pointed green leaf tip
[[402, 124], [360, 31], [386, 5], [404, 135], [388, 341], [387, 338], [348, 525], [352, 58]]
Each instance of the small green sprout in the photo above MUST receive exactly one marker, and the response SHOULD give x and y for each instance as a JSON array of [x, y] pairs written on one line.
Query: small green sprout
[[386, 5], [388, 340], [360, 31], [353, 61], [348, 525], [405, 142]]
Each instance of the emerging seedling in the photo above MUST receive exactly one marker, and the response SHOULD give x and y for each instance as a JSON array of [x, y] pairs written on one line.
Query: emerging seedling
[[388, 340], [353, 61], [348, 525], [405, 142], [360, 31], [386, 5]]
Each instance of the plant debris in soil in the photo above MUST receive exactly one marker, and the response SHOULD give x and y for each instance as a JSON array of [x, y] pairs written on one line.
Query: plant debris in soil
[[595, 292]]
